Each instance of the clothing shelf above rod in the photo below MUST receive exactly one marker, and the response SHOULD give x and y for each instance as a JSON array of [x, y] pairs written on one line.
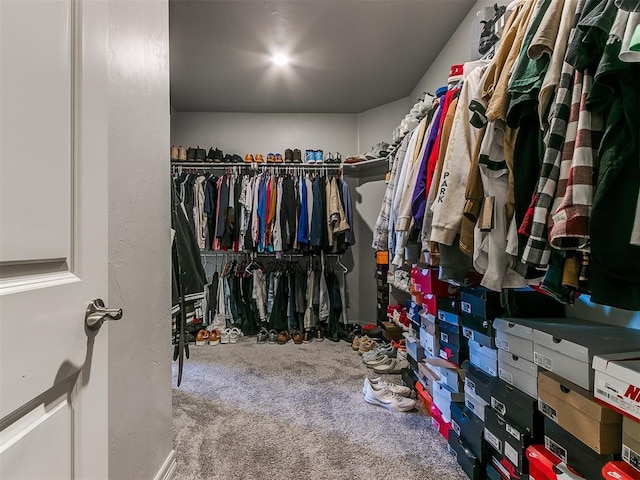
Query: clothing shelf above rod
[[258, 166]]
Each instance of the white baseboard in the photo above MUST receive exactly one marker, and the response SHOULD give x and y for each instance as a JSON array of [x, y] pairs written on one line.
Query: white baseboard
[[168, 467]]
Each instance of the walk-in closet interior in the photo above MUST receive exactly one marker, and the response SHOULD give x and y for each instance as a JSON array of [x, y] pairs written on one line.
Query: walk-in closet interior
[[405, 239]]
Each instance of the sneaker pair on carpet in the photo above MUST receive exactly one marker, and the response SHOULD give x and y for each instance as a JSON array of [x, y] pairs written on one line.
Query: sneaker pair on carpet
[[387, 395], [386, 359]]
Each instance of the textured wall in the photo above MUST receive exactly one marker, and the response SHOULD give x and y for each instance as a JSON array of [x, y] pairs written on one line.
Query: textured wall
[[140, 437], [243, 133]]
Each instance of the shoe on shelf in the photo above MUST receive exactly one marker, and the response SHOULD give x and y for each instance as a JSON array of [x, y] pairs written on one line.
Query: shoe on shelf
[[338, 158], [218, 155], [328, 157], [201, 154], [259, 158], [310, 156], [387, 399], [191, 155], [214, 337], [392, 366], [182, 154], [210, 155], [228, 158], [273, 336], [202, 338], [174, 153], [225, 336], [307, 337], [297, 337], [288, 155], [319, 335], [235, 334], [262, 336], [278, 158], [283, 337], [236, 158], [378, 384], [271, 158], [297, 156], [248, 158], [317, 156]]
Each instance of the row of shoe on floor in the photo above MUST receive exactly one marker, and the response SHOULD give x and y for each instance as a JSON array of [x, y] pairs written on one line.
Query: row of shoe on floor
[[215, 155], [384, 359]]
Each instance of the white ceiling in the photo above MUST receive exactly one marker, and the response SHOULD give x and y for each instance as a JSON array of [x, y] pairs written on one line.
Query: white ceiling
[[346, 55]]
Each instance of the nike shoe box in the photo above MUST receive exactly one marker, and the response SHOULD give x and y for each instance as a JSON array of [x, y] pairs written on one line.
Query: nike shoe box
[[573, 452], [575, 410], [544, 465], [617, 382], [447, 372], [425, 281], [449, 310], [620, 471], [480, 302], [454, 353], [430, 342], [413, 365], [518, 372], [529, 303], [518, 407], [567, 346], [471, 464], [505, 467], [475, 404], [438, 422], [414, 349], [450, 333], [631, 442], [424, 397], [443, 397], [509, 440], [513, 337], [485, 358], [477, 382], [492, 473], [409, 378], [470, 429], [484, 336]]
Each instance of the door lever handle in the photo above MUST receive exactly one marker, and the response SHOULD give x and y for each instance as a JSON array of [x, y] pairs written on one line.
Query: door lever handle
[[97, 313]]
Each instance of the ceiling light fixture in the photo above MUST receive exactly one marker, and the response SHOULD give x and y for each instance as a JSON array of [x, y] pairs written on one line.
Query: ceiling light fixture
[[280, 59]]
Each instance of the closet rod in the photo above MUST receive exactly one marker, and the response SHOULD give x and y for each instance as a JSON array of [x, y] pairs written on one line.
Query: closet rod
[[257, 166], [264, 254]]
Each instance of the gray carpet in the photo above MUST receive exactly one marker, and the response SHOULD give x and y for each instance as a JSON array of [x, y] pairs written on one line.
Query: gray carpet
[[254, 412]]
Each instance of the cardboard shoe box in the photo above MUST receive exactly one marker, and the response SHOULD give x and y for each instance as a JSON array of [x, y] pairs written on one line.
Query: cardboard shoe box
[[414, 349], [575, 410], [631, 442], [470, 429], [448, 373], [509, 440], [567, 347], [573, 452], [475, 404], [471, 464], [518, 372], [450, 333], [438, 423], [449, 310], [443, 397], [617, 382], [514, 337], [478, 382], [620, 471], [479, 329], [455, 353], [480, 302], [544, 465], [518, 407], [484, 358]]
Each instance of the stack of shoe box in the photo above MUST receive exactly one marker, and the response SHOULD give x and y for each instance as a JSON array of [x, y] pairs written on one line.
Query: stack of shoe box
[[382, 293]]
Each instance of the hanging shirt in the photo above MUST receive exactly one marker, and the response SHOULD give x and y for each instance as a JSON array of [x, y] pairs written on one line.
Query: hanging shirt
[[303, 223]]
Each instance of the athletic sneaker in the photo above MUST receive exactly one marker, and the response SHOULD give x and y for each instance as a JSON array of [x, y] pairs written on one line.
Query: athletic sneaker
[[391, 365], [387, 399], [387, 350], [377, 383], [310, 156], [379, 360]]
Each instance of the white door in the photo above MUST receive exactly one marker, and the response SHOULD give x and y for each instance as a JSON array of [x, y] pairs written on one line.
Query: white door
[[53, 238]]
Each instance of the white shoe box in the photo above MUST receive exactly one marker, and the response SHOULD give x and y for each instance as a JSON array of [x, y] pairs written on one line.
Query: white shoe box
[[485, 358], [414, 349], [518, 372], [474, 403], [567, 346], [442, 397], [514, 338], [617, 382], [430, 341]]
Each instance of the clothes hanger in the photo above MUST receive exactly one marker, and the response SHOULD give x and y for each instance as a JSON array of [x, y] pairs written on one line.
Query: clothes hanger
[[344, 269]]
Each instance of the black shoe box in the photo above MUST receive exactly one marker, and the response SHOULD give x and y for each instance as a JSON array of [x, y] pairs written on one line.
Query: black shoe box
[[448, 304], [505, 467], [480, 302], [450, 333], [381, 279], [455, 353], [573, 452], [471, 464], [470, 429], [531, 304], [479, 329], [509, 440], [413, 364], [518, 407], [382, 297], [478, 381], [409, 378], [492, 473]]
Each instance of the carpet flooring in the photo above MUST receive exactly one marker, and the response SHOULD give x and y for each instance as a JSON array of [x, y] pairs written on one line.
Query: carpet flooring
[[254, 412]]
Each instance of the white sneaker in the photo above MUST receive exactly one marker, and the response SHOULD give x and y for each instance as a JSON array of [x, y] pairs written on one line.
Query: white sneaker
[[379, 384], [379, 360], [391, 365], [225, 336], [381, 350], [387, 399]]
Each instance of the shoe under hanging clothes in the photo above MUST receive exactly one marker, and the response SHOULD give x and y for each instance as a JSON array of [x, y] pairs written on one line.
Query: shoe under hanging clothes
[[188, 277]]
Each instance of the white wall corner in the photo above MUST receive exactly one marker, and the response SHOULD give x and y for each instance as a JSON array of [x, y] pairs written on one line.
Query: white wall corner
[[168, 467]]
